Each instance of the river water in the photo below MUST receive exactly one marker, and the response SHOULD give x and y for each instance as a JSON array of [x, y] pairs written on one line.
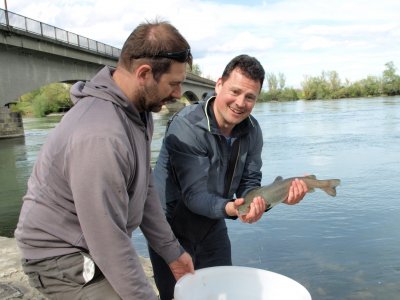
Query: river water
[[346, 247]]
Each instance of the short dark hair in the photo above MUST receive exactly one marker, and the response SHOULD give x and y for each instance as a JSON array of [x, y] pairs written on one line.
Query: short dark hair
[[156, 42], [248, 66]]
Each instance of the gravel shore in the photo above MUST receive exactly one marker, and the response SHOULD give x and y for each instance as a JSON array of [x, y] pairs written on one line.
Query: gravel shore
[[14, 283]]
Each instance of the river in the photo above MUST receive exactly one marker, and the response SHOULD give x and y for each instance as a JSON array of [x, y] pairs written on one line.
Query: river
[[339, 248]]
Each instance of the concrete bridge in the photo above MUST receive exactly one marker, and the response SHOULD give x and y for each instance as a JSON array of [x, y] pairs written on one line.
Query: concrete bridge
[[34, 54]]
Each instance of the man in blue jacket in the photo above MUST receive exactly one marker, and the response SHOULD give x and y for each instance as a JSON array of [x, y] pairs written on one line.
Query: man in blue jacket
[[209, 160]]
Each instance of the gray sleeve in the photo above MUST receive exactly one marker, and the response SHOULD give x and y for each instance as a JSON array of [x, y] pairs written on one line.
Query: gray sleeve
[[156, 229], [95, 171]]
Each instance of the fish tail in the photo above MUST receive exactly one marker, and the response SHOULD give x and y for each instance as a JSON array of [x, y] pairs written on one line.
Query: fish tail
[[310, 189], [331, 188]]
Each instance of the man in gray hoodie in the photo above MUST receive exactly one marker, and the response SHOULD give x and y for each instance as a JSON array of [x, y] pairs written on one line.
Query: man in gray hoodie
[[92, 183]]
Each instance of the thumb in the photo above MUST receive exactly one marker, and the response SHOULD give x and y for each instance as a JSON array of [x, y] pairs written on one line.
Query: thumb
[[239, 201]]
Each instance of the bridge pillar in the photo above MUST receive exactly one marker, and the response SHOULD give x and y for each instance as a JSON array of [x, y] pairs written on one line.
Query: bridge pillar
[[11, 124]]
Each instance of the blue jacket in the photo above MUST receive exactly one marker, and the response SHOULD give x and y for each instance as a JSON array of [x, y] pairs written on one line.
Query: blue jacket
[[192, 168]]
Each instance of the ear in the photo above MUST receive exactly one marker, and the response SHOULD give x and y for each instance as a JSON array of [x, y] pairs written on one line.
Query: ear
[[218, 85], [143, 73]]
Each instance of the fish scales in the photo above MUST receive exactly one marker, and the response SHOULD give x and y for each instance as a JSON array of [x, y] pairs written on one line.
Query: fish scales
[[278, 191]]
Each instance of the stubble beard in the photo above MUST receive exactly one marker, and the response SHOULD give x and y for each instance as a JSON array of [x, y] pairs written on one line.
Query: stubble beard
[[151, 101], [148, 100]]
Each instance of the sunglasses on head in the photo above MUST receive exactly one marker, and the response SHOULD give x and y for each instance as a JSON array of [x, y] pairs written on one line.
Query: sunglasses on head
[[181, 56]]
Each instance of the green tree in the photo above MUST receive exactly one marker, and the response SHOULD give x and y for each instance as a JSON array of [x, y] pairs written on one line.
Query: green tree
[[371, 86], [355, 90], [277, 90], [390, 81], [288, 94], [334, 84], [325, 86], [47, 99], [282, 81], [273, 91], [195, 69]]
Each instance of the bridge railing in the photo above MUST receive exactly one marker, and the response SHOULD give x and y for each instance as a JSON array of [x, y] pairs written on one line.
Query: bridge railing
[[13, 20]]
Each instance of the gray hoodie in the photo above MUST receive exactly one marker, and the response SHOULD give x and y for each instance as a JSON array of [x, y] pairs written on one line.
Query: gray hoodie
[[92, 185]]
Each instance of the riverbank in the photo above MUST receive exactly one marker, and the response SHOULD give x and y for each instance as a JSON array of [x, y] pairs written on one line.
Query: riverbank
[[14, 283]]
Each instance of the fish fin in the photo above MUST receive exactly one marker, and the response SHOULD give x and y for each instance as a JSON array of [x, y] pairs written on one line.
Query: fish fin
[[279, 178], [331, 189], [311, 190], [310, 176]]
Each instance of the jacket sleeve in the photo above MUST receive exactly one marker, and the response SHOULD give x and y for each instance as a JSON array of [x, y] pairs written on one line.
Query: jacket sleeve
[[156, 229], [190, 163], [98, 183]]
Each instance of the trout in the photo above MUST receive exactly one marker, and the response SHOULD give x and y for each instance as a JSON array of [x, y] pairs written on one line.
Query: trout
[[278, 191]]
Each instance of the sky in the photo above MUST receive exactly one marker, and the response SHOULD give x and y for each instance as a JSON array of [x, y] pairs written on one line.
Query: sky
[[297, 38]]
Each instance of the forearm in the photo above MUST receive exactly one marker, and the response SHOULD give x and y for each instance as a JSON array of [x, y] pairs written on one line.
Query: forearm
[[157, 230], [206, 204]]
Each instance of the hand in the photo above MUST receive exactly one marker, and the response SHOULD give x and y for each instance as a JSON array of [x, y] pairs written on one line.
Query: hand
[[256, 211], [182, 266], [232, 206], [297, 191]]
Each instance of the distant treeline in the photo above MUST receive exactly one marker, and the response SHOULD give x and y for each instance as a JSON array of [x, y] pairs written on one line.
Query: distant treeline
[[329, 86], [54, 97]]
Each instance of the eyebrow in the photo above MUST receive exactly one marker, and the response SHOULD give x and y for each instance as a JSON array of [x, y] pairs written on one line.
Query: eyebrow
[[176, 81], [235, 88]]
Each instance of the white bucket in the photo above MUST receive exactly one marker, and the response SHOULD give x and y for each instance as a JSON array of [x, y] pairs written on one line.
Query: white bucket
[[238, 283]]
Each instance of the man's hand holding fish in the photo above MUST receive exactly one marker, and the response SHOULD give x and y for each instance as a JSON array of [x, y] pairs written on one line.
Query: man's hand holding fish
[[297, 190], [289, 191]]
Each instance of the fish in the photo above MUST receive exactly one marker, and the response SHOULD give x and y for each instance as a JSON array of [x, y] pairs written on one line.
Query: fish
[[278, 191]]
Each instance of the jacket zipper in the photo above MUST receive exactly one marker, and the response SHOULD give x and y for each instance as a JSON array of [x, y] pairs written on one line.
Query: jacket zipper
[[234, 169]]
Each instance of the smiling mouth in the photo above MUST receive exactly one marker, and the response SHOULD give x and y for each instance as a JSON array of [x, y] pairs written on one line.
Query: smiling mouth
[[236, 111]]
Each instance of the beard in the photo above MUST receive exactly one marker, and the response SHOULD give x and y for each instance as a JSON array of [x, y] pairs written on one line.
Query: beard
[[150, 100]]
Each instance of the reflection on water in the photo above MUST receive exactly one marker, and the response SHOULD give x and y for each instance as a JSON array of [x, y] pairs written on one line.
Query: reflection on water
[[339, 248], [17, 157]]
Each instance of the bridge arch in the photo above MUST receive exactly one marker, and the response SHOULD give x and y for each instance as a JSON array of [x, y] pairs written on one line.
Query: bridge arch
[[34, 54], [190, 96]]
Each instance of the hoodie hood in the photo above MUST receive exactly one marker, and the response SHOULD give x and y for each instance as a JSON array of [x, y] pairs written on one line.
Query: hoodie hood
[[103, 87]]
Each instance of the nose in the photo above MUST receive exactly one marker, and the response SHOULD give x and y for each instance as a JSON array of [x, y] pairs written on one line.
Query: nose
[[240, 101], [177, 92]]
